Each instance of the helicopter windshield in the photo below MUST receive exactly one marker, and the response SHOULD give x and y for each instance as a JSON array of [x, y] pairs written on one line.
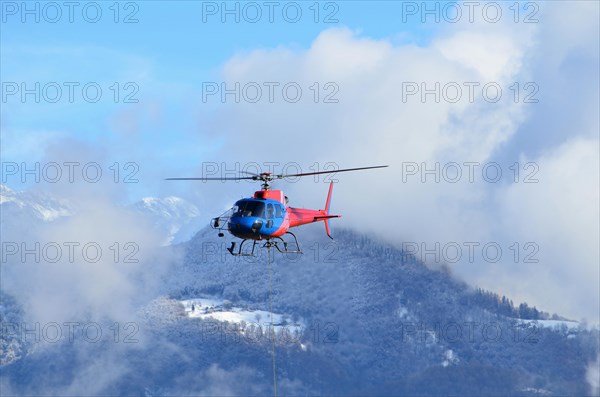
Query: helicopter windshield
[[249, 208]]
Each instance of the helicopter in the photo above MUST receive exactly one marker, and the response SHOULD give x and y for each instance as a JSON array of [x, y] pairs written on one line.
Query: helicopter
[[266, 215]]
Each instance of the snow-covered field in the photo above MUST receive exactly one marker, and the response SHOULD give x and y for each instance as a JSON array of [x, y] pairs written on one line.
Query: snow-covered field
[[246, 320], [571, 325]]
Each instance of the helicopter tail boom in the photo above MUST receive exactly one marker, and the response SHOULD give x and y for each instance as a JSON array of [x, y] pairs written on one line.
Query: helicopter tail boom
[[300, 217]]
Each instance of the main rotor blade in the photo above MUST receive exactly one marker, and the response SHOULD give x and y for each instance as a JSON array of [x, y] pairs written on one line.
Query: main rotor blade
[[256, 177], [330, 172], [249, 173], [212, 179]]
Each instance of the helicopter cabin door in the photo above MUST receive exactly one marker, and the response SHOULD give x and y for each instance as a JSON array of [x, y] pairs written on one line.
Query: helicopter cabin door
[[270, 214]]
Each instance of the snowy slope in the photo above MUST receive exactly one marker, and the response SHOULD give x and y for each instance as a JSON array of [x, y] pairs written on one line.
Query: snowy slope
[[252, 324]]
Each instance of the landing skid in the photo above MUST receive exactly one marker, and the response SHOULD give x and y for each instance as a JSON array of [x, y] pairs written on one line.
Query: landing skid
[[239, 251], [276, 242]]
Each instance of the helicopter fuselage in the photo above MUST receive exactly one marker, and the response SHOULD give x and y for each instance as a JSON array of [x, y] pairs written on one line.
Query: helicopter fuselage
[[265, 216]]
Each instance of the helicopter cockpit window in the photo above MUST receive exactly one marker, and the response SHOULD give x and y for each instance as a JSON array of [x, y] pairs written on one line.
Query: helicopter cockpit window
[[269, 211], [249, 208], [278, 211]]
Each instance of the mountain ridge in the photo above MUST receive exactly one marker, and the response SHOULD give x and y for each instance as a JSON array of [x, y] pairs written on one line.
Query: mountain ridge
[[377, 322]]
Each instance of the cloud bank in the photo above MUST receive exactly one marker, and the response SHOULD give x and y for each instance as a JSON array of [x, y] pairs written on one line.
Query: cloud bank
[[377, 119]]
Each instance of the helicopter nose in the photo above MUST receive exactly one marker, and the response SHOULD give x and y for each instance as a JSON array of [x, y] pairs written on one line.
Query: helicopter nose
[[245, 225]]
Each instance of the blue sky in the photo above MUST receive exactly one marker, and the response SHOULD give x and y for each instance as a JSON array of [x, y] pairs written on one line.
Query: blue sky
[[546, 52], [167, 50], [164, 48]]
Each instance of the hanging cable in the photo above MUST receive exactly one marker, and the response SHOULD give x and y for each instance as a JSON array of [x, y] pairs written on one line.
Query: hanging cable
[[271, 317]]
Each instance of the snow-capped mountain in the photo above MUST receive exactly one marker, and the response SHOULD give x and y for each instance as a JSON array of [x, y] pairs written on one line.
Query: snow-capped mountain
[[22, 211], [174, 217], [32, 205]]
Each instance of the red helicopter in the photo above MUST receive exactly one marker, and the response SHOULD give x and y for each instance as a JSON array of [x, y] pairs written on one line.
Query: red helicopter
[[266, 216]]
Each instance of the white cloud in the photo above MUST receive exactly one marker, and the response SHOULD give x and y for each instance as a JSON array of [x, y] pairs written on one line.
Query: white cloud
[[97, 263], [495, 57], [560, 214], [89, 266], [372, 123]]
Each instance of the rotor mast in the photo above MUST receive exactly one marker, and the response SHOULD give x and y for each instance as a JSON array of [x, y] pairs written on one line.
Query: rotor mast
[[265, 177]]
